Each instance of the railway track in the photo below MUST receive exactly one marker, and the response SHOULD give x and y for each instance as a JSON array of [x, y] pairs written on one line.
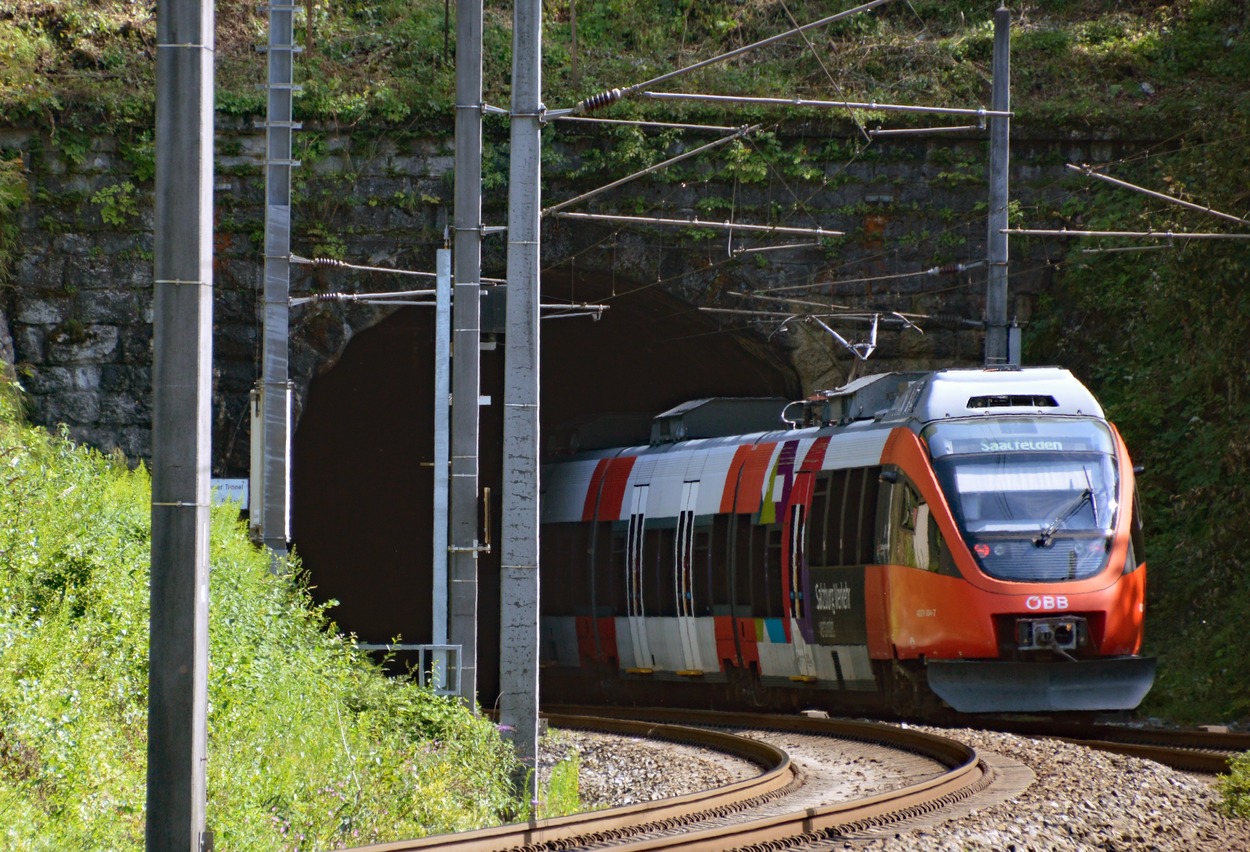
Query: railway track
[[1206, 752], [767, 809]]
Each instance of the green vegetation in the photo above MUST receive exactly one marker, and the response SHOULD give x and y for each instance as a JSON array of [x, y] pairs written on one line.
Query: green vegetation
[[1162, 336], [310, 746], [13, 195], [1235, 788], [388, 63]]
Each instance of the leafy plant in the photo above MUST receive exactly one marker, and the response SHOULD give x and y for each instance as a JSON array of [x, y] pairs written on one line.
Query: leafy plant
[[118, 205], [309, 745], [13, 196], [1235, 788]]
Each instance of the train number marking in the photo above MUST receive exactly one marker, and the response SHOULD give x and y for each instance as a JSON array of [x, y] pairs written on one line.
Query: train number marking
[[1046, 602], [926, 613]]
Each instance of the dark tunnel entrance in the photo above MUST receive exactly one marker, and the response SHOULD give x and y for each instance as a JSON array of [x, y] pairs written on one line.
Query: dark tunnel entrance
[[361, 475]]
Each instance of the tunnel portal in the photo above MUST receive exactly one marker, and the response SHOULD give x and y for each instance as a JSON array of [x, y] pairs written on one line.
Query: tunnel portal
[[362, 478]]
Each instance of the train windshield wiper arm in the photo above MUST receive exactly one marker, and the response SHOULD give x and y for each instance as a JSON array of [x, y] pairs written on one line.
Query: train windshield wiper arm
[[1048, 531]]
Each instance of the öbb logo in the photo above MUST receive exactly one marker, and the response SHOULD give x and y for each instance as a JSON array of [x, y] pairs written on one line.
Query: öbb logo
[[1046, 602]]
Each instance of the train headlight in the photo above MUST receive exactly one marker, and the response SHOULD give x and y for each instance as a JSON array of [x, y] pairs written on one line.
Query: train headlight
[[1056, 634]]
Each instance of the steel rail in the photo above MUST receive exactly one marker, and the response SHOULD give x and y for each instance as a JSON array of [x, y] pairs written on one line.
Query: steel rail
[[966, 775], [778, 775], [678, 818], [1208, 752]]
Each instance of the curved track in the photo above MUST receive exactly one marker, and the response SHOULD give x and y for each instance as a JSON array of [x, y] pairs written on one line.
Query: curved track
[[743, 814], [1207, 752]]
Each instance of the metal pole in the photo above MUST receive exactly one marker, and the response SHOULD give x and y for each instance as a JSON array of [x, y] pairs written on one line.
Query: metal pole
[[442, 426], [996, 241], [275, 397], [518, 623], [181, 388], [700, 223], [466, 342], [872, 106]]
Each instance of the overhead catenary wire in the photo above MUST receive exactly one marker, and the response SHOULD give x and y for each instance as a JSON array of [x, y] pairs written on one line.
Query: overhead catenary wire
[[611, 96], [944, 269], [1122, 249], [667, 125], [700, 223], [332, 263], [1089, 172], [821, 62], [1149, 235], [871, 106], [737, 134], [558, 310], [782, 247], [923, 131]]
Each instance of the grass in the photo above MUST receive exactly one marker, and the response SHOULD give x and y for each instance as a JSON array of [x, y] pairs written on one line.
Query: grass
[[310, 746], [71, 65]]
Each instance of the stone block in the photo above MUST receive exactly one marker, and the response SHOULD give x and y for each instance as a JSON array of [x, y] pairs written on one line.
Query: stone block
[[37, 311], [50, 379], [94, 344], [74, 408], [136, 344], [6, 342], [125, 409], [108, 306], [30, 343], [120, 378]]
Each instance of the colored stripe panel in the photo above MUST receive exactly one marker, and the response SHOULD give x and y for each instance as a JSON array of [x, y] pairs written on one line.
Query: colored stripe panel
[[732, 478], [607, 489], [750, 487], [592, 493]]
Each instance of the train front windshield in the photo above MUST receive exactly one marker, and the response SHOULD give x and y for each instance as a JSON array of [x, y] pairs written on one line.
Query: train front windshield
[[1035, 498]]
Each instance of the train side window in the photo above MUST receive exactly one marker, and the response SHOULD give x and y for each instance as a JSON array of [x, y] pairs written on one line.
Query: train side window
[[818, 522], [719, 565], [867, 515], [915, 539], [659, 587], [617, 589], [772, 605], [602, 547], [701, 571], [839, 494], [748, 567], [1137, 538], [560, 549]]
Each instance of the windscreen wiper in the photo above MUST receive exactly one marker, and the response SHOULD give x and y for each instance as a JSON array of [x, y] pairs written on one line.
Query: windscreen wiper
[[1048, 531]]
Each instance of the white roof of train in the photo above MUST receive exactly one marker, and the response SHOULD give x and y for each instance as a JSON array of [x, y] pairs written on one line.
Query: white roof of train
[[973, 393]]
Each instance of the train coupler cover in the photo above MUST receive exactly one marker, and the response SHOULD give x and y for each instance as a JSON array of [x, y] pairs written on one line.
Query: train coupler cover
[[989, 686]]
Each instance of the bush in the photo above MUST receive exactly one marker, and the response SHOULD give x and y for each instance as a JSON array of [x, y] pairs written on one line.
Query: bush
[[310, 746], [1235, 788]]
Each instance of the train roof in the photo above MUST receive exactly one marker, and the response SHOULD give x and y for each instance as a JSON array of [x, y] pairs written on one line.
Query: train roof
[[881, 401], [946, 394]]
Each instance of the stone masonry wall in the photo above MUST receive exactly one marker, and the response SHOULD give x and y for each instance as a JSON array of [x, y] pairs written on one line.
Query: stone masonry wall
[[78, 309]]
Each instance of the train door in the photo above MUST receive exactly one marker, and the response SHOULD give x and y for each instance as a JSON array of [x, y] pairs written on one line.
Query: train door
[[795, 567], [684, 582], [634, 573]]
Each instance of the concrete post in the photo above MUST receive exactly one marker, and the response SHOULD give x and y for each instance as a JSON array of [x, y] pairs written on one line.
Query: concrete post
[[181, 386], [996, 351], [466, 342], [518, 653]]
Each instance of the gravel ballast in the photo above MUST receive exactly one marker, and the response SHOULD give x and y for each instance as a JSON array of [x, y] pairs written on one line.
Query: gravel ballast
[[1080, 799]]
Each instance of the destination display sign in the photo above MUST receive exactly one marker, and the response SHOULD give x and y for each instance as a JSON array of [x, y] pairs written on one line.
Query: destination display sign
[[1015, 445], [1034, 435]]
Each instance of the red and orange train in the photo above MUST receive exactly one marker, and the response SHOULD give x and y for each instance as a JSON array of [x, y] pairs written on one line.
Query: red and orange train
[[961, 536]]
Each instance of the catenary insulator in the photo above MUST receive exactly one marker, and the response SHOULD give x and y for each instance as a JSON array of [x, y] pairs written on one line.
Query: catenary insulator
[[600, 100]]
